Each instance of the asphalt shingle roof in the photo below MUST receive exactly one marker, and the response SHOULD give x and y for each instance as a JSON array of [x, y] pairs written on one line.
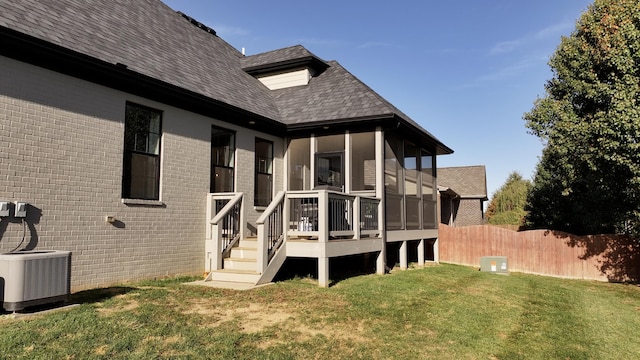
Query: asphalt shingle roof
[[333, 95], [285, 55], [151, 39], [148, 37], [467, 181]]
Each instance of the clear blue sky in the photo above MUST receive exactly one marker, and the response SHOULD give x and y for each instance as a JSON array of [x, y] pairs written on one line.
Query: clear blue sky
[[466, 70]]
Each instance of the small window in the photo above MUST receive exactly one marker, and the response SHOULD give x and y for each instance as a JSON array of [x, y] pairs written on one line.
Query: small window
[[264, 172], [141, 172], [223, 149]]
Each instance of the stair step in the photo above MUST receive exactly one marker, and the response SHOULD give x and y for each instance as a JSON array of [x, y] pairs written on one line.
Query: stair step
[[242, 276], [233, 263], [244, 252], [248, 243]]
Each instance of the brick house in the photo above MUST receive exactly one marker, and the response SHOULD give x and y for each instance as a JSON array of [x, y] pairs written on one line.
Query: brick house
[[462, 193], [148, 146]]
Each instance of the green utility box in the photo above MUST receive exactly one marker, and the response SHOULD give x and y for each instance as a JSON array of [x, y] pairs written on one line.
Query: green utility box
[[494, 264]]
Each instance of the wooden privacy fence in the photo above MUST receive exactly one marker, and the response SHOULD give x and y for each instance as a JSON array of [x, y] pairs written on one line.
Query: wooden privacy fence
[[543, 252]]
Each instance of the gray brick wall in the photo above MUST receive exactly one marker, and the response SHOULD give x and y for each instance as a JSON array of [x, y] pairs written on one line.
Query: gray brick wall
[[61, 142]]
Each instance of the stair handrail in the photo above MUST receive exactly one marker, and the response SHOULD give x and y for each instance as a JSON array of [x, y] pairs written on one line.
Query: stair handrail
[[271, 230], [234, 228], [228, 206]]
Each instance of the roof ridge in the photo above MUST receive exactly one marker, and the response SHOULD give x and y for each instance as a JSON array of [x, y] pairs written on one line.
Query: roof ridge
[[198, 24]]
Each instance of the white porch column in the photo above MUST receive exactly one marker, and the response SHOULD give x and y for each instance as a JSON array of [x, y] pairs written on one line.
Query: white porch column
[[382, 255], [421, 253], [436, 250], [403, 256], [323, 272], [380, 260], [347, 163]]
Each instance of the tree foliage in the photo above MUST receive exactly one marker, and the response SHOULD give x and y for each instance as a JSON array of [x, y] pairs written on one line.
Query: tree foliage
[[588, 178], [507, 203]]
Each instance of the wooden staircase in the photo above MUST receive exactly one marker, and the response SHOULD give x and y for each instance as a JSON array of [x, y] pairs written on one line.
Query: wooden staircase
[[239, 269]]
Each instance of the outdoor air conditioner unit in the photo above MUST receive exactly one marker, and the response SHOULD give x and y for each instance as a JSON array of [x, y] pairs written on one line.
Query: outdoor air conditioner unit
[[29, 278]]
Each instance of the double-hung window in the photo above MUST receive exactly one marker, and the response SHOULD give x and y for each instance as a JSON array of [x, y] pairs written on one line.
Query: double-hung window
[[141, 172], [264, 172], [223, 149]]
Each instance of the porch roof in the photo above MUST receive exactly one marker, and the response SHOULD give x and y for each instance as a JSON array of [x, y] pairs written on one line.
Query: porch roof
[[335, 97]]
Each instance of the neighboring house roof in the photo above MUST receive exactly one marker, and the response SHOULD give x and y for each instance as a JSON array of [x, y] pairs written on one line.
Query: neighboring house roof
[[467, 181], [145, 47]]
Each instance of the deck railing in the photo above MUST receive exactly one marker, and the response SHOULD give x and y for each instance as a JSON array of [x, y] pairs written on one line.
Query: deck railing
[[329, 215], [321, 215], [224, 211], [369, 221]]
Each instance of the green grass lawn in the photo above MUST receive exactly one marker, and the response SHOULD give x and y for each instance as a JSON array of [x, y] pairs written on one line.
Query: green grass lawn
[[440, 312]]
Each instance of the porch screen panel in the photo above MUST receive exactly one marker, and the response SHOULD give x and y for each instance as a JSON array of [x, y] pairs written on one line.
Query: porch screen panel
[[299, 154], [429, 195], [222, 160], [363, 161], [411, 184], [329, 158], [330, 143], [393, 181]]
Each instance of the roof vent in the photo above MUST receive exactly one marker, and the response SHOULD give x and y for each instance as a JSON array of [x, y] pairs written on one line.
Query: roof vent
[[197, 23]]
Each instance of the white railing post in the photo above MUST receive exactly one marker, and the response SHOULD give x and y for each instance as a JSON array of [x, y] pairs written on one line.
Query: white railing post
[[263, 249], [242, 224], [356, 218], [323, 216], [286, 216], [217, 247]]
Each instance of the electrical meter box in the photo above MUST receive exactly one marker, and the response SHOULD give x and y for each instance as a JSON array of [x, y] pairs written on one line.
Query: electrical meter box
[[494, 264], [4, 208]]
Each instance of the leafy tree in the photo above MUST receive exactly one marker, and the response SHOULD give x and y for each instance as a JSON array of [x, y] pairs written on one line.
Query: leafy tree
[[507, 203], [588, 178]]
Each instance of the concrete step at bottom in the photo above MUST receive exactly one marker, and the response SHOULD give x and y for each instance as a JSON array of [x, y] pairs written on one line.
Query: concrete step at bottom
[[246, 276], [233, 285]]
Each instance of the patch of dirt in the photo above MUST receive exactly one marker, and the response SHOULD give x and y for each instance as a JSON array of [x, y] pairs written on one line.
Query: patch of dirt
[[128, 306], [100, 350], [253, 317], [297, 332]]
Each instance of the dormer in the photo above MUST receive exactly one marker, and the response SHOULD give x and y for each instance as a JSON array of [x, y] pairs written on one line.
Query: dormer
[[284, 68]]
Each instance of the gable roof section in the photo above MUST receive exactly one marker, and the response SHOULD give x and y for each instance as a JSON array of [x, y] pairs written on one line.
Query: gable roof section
[[146, 37], [337, 96], [467, 181]]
